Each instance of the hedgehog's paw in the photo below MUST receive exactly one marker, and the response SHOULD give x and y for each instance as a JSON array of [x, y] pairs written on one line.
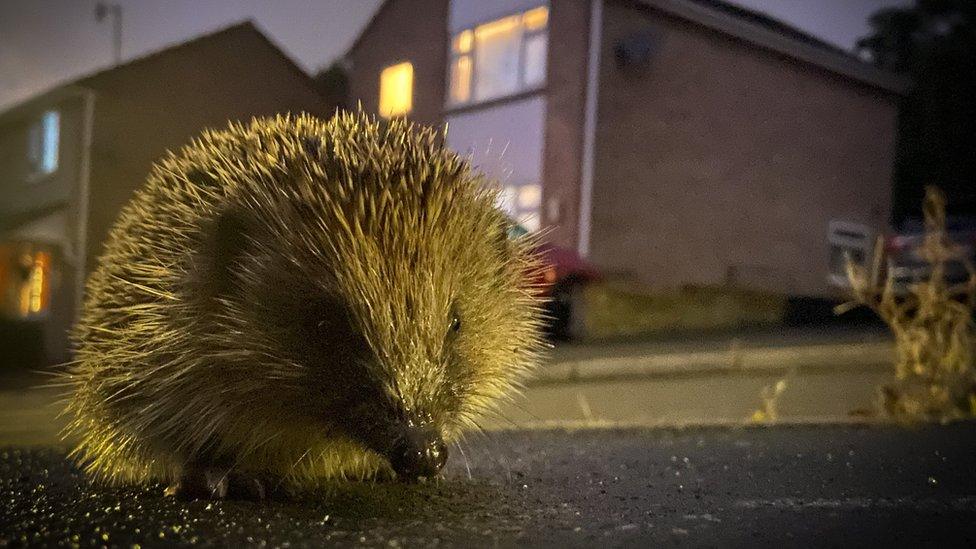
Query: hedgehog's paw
[[256, 487], [198, 483]]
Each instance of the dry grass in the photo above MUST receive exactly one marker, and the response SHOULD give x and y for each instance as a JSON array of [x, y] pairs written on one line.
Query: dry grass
[[935, 374]]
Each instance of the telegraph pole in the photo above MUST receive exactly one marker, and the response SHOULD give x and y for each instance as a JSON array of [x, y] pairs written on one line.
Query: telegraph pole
[[106, 9]]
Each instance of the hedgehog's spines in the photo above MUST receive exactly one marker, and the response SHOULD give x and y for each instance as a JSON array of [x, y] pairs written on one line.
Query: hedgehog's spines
[[163, 376]]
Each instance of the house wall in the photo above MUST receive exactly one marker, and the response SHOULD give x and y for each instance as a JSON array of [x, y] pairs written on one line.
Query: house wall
[[414, 31], [718, 162], [142, 109], [23, 196], [565, 98], [43, 211]]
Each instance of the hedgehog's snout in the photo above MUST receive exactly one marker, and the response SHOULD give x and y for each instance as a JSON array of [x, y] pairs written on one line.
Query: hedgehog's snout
[[419, 452]]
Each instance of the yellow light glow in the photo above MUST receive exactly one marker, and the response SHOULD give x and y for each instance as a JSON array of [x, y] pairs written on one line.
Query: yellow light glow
[[463, 41], [461, 79], [34, 291], [396, 90], [505, 25], [37, 285], [529, 197], [536, 18], [25, 299]]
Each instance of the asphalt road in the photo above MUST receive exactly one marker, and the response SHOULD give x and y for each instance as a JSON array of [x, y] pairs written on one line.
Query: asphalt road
[[850, 486]]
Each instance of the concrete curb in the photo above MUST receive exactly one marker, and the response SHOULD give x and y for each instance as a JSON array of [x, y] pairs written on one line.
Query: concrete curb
[[849, 357], [801, 421]]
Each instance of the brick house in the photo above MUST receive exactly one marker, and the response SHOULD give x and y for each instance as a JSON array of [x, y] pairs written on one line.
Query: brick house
[[71, 157], [674, 141]]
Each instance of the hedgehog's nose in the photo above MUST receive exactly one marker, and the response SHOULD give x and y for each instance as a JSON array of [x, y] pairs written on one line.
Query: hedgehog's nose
[[419, 453]]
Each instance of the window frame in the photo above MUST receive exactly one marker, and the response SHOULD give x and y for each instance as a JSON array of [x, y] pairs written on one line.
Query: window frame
[[453, 55]]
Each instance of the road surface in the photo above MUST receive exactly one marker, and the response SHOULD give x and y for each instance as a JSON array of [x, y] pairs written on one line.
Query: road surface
[[849, 486]]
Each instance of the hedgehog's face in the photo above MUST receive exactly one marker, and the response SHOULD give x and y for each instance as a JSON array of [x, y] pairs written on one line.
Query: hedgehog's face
[[425, 340], [402, 336], [405, 343]]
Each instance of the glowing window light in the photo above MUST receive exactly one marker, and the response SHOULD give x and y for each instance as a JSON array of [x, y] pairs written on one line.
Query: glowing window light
[[36, 287], [34, 292], [499, 58], [496, 56], [535, 19], [463, 41], [396, 90]]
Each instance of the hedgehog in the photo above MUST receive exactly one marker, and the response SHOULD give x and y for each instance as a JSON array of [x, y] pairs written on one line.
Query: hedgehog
[[296, 300]]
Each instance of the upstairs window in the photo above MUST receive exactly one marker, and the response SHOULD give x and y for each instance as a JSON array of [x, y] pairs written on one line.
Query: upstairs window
[[43, 137], [499, 58], [396, 90]]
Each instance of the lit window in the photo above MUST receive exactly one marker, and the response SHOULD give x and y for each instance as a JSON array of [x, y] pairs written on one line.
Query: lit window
[[502, 57], [535, 60], [530, 196], [463, 41], [496, 55], [521, 203], [43, 138], [33, 290], [396, 90]]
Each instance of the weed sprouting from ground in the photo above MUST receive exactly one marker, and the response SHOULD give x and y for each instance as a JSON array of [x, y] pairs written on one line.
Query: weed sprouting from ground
[[768, 412], [932, 322]]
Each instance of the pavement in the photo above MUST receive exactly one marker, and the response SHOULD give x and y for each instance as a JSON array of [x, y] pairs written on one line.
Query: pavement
[[781, 486], [829, 374]]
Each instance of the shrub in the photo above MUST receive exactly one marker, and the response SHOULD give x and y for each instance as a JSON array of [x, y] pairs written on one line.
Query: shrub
[[935, 374]]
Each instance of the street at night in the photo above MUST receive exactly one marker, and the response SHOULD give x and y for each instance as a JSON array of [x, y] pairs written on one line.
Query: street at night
[[487, 273], [828, 485]]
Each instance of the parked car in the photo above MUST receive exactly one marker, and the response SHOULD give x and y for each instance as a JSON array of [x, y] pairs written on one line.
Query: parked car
[[564, 277], [902, 260], [906, 266]]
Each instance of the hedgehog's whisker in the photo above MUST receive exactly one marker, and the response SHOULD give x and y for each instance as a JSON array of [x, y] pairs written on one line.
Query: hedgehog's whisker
[[467, 465]]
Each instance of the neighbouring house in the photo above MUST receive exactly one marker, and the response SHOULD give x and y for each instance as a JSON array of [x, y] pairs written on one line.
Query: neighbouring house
[[70, 158], [679, 142]]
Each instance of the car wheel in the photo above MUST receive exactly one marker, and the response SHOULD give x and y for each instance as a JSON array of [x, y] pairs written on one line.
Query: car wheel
[[566, 311]]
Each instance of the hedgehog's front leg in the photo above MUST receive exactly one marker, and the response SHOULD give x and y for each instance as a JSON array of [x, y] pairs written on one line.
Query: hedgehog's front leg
[[201, 482], [198, 482]]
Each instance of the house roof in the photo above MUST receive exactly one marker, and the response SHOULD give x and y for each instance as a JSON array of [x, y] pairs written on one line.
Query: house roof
[[92, 80], [758, 29], [767, 21], [369, 24], [771, 34]]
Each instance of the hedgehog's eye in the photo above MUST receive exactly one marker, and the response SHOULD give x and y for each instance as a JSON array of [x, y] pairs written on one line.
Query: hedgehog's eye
[[455, 324]]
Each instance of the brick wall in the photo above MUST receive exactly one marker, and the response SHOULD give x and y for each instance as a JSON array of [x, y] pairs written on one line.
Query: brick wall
[[719, 162], [566, 95]]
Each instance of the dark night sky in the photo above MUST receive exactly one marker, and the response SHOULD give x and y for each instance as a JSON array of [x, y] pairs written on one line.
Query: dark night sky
[[44, 42]]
